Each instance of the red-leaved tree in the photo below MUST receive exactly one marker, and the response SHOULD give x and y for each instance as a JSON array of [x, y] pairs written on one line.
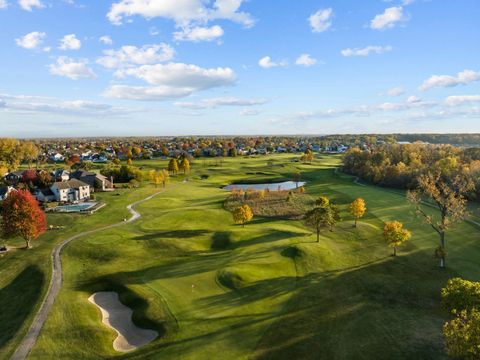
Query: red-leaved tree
[[29, 176], [21, 216]]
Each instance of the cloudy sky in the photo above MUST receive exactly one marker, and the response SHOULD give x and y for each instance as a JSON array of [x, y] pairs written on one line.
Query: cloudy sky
[[173, 67]]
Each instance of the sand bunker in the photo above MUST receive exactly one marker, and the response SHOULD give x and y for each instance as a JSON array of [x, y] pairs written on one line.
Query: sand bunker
[[119, 318]]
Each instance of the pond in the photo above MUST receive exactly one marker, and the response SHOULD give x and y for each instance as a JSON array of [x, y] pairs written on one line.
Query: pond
[[76, 207], [286, 185]]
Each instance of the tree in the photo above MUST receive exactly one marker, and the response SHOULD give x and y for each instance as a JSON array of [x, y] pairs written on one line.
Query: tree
[[322, 202], [21, 216], [29, 176], [357, 209], [395, 235], [460, 294], [159, 177], [29, 152], [10, 155], [173, 165], [448, 195], [320, 217], [242, 215], [129, 162], [462, 335], [185, 165]]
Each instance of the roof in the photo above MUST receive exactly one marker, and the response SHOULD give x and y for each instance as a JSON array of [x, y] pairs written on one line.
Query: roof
[[47, 192], [60, 172], [70, 184], [81, 173]]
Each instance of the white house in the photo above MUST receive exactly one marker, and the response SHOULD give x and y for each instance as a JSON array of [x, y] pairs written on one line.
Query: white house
[[71, 191]]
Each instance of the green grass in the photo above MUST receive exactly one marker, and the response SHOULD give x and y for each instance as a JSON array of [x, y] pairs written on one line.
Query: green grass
[[266, 291]]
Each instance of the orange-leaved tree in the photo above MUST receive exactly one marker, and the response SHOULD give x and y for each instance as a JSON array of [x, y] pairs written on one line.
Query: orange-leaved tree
[[21, 216]]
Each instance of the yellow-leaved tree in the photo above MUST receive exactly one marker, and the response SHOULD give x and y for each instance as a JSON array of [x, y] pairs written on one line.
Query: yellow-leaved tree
[[395, 235], [185, 165], [357, 209], [159, 177], [173, 165], [242, 215]]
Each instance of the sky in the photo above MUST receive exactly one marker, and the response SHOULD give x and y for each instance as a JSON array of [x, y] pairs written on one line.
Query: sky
[[238, 67]]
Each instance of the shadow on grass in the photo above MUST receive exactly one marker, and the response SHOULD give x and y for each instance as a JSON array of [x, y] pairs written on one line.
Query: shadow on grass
[[17, 301], [179, 234], [362, 312]]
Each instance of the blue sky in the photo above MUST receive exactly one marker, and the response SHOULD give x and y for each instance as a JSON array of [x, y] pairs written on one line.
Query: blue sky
[[181, 67]]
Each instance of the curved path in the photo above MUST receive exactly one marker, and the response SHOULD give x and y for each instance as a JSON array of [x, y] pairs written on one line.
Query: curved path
[[30, 338]]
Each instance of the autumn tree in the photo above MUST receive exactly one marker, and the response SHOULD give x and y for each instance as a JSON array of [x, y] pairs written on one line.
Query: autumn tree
[[185, 165], [460, 294], [173, 165], [159, 177], [462, 335], [322, 201], [10, 154], [448, 196], [357, 209], [29, 152], [21, 216], [242, 215], [320, 217], [395, 235]]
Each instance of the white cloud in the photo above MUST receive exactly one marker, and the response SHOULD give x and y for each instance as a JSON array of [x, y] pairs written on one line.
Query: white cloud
[[199, 33], [31, 40], [413, 100], [183, 75], [321, 20], [395, 91], [388, 19], [173, 80], [146, 93], [72, 69], [249, 112], [366, 51], [457, 100], [305, 60], [3, 4], [41, 104], [222, 101], [183, 12], [463, 78], [128, 56], [70, 42], [28, 5], [267, 63], [105, 40]]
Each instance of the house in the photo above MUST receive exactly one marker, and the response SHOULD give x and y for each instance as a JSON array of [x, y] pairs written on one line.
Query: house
[[57, 157], [96, 181], [61, 175], [5, 191], [14, 177], [71, 191], [45, 195]]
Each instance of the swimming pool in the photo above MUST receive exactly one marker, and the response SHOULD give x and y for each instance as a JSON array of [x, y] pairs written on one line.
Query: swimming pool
[[75, 208]]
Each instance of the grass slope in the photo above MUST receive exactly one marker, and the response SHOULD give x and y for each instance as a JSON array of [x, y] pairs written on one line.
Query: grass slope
[[268, 291]]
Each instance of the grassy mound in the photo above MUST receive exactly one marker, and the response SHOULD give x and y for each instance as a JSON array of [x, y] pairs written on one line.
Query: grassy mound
[[230, 279]]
